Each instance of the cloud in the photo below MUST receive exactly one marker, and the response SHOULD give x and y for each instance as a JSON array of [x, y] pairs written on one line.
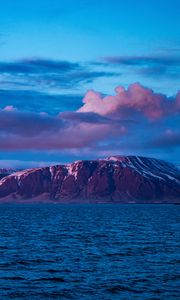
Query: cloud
[[149, 65], [169, 139], [166, 60], [136, 101], [26, 124], [94, 118], [9, 108], [37, 66], [32, 131], [47, 73], [69, 138], [135, 120], [20, 164]]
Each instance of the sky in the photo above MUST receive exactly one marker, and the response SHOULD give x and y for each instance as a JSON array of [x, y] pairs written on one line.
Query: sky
[[86, 79]]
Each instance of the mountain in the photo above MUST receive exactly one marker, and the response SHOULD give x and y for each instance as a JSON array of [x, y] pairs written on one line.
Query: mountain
[[5, 172], [117, 179]]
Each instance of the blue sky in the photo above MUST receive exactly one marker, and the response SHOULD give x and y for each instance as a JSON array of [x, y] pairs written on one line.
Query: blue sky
[[52, 52], [86, 31], [83, 30]]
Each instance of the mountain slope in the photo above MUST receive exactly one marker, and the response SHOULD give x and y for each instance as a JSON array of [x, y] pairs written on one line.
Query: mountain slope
[[115, 179], [5, 172]]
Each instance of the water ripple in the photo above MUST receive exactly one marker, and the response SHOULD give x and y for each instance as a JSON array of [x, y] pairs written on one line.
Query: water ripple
[[90, 252]]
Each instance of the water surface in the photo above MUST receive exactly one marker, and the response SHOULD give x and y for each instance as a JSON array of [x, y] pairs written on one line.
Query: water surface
[[90, 252]]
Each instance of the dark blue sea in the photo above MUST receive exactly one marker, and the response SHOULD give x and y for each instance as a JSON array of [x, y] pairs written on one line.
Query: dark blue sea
[[90, 252]]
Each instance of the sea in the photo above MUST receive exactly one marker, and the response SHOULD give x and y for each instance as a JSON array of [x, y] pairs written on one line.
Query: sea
[[55, 251]]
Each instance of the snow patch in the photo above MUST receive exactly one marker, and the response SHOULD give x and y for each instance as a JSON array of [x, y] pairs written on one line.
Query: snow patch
[[51, 171], [72, 170]]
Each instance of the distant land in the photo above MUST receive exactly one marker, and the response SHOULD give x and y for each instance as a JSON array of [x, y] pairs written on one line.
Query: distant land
[[116, 179]]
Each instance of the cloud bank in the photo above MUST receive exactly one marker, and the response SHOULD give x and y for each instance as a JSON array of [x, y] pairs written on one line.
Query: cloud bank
[[135, 120]]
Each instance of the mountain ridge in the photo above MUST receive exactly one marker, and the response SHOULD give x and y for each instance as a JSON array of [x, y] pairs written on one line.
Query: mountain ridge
[[6, 171], [116, 179]]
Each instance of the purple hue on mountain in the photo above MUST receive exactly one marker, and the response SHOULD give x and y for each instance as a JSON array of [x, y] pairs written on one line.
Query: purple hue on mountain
[[117, 179]]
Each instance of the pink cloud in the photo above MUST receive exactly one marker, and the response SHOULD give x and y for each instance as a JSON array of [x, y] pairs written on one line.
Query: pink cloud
[[9, 108], [79, 136], [101, 121], [136, 100], [30, 131]]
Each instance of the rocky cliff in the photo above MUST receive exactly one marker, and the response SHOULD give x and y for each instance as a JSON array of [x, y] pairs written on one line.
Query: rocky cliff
[[117, 179]]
